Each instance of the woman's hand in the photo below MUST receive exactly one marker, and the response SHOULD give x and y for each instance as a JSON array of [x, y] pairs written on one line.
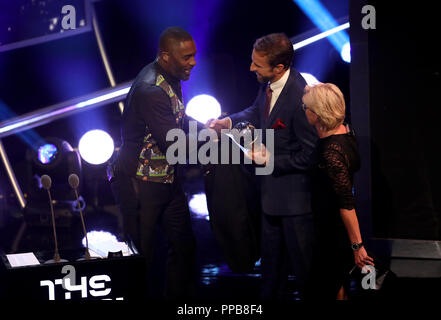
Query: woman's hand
[[361, 258]]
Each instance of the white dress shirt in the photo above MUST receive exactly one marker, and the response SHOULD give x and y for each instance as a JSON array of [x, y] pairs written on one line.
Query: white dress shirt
[[277, 88]]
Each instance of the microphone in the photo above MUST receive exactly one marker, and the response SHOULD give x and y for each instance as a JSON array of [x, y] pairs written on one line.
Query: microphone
[[46, 182], [74, 182]]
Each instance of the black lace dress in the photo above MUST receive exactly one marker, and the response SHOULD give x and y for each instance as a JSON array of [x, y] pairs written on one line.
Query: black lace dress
[[332, 189]]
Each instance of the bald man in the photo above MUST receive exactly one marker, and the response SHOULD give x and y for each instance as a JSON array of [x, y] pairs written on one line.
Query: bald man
[[146, 186]]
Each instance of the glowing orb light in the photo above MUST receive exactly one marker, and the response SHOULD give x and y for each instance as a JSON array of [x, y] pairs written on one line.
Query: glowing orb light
[[203, 108], [96, 147]]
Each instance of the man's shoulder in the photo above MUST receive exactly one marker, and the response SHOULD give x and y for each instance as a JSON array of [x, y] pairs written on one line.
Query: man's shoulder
[[296, 78], [148, 90], [295, 84], [144, 88], [145, 81], [147, 75]]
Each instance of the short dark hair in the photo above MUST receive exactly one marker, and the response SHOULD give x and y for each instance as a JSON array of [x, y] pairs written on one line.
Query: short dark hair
[[173, 35], [277, 47]]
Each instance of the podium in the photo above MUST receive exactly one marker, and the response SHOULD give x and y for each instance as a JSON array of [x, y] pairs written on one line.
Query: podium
[[116, 278]]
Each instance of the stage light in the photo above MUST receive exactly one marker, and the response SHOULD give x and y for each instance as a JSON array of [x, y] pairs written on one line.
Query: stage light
[[51, 154], [103, 242], [47, 153], [209, 274], [56, 158], [96, 147], [345, 52], [320, 36], [203, 108], [198, 205], [309, 78], [323, 19], [96, 237]]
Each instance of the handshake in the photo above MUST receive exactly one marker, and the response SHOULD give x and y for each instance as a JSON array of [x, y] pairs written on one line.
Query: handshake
[[257, 152], [219, 124]]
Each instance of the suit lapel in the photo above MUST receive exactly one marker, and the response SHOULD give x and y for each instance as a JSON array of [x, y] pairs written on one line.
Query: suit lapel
[[280, 102]]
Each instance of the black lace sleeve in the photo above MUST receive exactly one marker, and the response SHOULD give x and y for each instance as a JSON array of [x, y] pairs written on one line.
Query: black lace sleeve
[[337, 169]]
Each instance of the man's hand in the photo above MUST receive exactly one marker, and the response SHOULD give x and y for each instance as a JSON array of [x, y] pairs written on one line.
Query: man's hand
[[218, 124], [259, 155]]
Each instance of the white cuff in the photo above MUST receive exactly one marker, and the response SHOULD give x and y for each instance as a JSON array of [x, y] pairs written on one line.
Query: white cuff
[[230, 122]]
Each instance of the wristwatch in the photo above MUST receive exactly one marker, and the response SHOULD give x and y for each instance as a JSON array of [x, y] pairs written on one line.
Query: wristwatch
[[356, 246]]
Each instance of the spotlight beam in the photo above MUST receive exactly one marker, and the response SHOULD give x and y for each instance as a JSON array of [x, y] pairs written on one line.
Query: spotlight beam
[[64, 109], [320, 36], [323, 19]]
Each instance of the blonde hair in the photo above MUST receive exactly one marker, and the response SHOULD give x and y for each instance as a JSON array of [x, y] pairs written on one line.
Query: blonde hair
[[327, 102]]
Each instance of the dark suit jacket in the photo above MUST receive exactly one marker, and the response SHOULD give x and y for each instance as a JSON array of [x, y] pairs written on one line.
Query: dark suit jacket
[[287, 190], [235, 215]]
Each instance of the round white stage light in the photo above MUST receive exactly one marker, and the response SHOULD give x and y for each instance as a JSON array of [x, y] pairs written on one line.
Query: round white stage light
[[96, 147], [203, 108]]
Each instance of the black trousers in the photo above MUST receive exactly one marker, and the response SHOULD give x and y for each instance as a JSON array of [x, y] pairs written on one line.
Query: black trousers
[[143, 205], [287, 241]]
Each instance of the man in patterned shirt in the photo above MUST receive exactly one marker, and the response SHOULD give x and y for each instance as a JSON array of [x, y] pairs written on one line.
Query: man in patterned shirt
[[146, 186]]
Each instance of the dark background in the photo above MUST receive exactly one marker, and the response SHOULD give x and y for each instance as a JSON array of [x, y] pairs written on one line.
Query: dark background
[[405, 82]]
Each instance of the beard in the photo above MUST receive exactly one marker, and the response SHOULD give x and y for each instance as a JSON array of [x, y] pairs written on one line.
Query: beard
[[183, 75], [262, 79], [180, 72]]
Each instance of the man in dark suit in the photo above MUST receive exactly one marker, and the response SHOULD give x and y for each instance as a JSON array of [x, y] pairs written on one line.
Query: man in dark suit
[[145, 185], [287, 218]]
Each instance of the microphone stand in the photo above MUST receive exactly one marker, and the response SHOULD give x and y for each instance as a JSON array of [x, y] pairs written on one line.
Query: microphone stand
[[86, 254], [56, 258]]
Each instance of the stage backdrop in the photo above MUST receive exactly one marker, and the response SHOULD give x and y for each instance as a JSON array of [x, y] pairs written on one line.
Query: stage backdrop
[[395, 85]]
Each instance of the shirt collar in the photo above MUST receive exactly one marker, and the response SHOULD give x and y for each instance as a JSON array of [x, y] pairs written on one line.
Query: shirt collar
[[279, 84], [174, 82]]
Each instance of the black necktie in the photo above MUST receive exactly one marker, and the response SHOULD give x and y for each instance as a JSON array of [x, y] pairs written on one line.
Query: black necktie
[[269, 94]]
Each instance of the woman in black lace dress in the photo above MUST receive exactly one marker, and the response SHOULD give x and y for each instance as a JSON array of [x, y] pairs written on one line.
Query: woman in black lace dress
[[338, 239]]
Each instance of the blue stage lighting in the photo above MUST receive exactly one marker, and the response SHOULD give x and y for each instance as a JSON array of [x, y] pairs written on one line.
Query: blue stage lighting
[[345, 52], [96, 147], [203, 108], [47, 153], [30, 137], [321, 17]]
